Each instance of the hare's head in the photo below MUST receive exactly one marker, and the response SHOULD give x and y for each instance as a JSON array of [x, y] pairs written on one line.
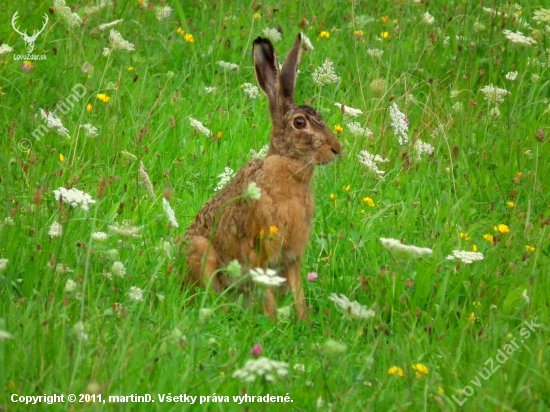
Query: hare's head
[[299, 132]]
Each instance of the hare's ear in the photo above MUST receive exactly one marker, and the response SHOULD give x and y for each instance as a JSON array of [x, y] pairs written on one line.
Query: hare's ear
[[290, 69], [266, 67]]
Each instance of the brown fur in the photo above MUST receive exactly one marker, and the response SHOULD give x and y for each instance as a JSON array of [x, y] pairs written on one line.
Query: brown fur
[[227, 229]]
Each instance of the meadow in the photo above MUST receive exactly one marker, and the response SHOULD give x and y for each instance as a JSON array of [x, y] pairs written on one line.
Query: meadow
[[443, 112]]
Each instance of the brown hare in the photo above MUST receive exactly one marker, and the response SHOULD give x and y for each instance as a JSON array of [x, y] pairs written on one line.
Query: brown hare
[[226, 230]]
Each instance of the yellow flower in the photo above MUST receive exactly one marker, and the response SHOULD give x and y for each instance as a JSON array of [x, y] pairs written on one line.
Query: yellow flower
[[440, 389], [325, 34], [476, 303], [347, 188], [359, 33], [130, 68], [529, 248], [338, 129], [262, 234], [103, 97], [273, 230], [61, 158], [385, 19], [220, 134], [367, 200], [89, 107], [420, 368], [395, 370], [332, 196], [474, 248], [256, 15], [489, 238], [511, 204], [464, 236], [180, 31], [502, 228], [472, 317], [384, 34], [189, 38], [27, 65]]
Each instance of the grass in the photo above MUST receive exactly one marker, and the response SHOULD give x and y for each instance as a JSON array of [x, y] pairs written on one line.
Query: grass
[[452, 318]]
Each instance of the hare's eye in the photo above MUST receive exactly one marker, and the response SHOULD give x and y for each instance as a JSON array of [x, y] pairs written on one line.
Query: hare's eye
[[299, 122]]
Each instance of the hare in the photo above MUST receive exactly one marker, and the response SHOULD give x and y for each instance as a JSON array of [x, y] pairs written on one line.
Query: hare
[[225, 230]]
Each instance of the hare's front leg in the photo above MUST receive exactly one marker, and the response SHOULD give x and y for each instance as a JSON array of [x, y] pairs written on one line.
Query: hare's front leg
[[202, 263], [294, 280]]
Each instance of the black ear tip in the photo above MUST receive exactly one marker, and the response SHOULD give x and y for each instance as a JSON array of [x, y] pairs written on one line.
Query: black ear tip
[[262, 40]]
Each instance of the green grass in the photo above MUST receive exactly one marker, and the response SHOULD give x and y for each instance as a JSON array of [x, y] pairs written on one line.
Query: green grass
[[447, 316]]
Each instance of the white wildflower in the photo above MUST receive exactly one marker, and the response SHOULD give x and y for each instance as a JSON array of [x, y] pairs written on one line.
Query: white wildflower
[[357, 130], [428, 18], [493, 94], [225, 178], [146, 181], [272, 34], [126, 229], [438, 131], [80, 331], [74, 197], [535, 78], [351, 309], [252, 192], [478, 27], [228, 66], [284, 313], [169, 213], [8, 221], [135, 294], [91, 131], [106, 26], [511, 76], [250, 90], [260, 154], [99, 236], [465, 256], [542, 15], [163, 12], [209, 90], [205, 314], [399, 124], [262, 367], [518, 38], [370, 162], [454, 94], [300, 367], [266, 277], [56, 230], [306, 43], [350, 111], [53, 122], [325, 74], [60, 268], [94, 9], [200, 127], [3, 264], [494, 112], [457, 107], [334, 348], [64, 13], [70, 286], [118, 269], [117, 43], [375, 52], [404, 251], [421, 148], [4, 48]]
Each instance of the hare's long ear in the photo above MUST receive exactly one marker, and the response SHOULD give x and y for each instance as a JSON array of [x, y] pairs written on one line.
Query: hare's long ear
[[267, 68], [290, 69]]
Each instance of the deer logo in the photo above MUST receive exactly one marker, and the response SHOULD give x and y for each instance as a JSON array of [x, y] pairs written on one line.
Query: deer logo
[[29, 40]]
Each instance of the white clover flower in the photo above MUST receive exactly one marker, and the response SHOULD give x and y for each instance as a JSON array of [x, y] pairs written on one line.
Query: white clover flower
[[209, 90], [252, 192], [325, 74], [375, 53], [144, 177], [64, 13], [356, 130], [117, 43], [169, 213], [493, 94], [56, 230], [4, 48], [99, 236], [260, 154], [428, 18], [70, 286], [421, 148], [399, 124], [118, 269], [225, 178], [3, 264], [404, 251], [284, 313], [465, 256], [135, 294], [370, 162], [272, 34], [262, 367], [200, 127], [349, 111], [91, 131], [74, 197], [351, 309], [250, 90], [80, 331], [205, 314], [266, 277], [306, 43], [511, 76], [53, 122], [163, 12], [106, 26], [518, 38], [126, 229], [542, 15], [228, 66]]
